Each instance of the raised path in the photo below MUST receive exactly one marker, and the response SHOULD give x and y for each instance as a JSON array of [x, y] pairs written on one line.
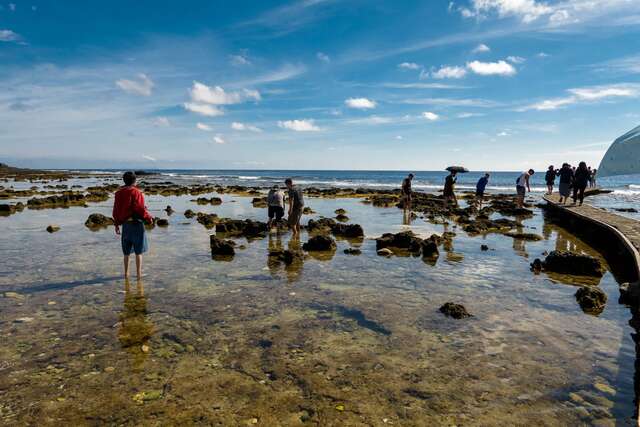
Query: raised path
[[625, 230]]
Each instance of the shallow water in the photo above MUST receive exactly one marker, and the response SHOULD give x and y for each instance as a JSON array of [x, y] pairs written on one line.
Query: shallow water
[[342, 340]]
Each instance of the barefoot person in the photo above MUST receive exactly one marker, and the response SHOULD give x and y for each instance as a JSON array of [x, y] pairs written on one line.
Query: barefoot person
[[449, 193], [566, 179], [481, 185], [130, 212], [522, 186], [406, 192], [275, 201], [296, 203], [550, 179]]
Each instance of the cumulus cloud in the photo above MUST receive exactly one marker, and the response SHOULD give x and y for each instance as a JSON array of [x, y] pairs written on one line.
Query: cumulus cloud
[[500, 68], [586, 95], [516, 59], [9, 36], [204, 127], [447, 72], [430, 116], [216, 95], [244, 127], [481, 48], [203, 109], [525, 10], [161, 122], [360, 103], [323, 57], [409, 66], [303, 125], [218, 139], [143, 86]]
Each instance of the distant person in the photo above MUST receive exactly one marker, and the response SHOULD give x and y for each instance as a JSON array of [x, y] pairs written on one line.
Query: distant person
[[590, 180], [481, 185], [296, 203], [593, 177], [406, 192], [275, 202], [550, 179], [580, 182], [130, 212], [566, 180], [522, 186], [449, 184]]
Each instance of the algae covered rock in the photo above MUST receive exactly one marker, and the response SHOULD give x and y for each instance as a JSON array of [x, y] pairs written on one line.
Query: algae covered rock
[[524, 236], [319, 243], [53, 228], [591, 299], [457, 311], [352, 251], [221, 247], [572, 263], [403, 240], [97, 220], [162, 222]]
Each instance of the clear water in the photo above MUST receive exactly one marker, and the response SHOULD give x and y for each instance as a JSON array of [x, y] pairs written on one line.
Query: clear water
[[246, 341]]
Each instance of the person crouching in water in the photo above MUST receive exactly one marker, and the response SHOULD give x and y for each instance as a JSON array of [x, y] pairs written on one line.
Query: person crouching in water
[[296, 204], [275, 201], [522, 186], [481, 185], [448, 193], [130, 212], [580, 181]]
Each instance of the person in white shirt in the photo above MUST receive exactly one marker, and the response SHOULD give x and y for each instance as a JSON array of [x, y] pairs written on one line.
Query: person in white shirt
[[522, 186]]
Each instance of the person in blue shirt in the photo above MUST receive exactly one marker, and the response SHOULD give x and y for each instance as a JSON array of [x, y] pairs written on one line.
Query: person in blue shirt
[[480, 187]]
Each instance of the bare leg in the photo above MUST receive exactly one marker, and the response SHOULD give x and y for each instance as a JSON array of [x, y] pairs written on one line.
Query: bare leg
[[139, 266], [126, 266]]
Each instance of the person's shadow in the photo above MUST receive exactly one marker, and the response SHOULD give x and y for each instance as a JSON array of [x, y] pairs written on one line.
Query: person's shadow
[[135, 328]]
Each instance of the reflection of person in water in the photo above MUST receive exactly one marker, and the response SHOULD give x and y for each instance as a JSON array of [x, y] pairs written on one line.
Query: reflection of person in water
[[294, 270], [275, 245], [135, 329], [519, 246]]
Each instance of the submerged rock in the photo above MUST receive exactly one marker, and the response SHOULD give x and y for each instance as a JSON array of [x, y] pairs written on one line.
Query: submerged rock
[[308, 211], [524, 236], [221, 248], [259, 202], [342, 218], [484, 247], [189, 213], [591, 299], [208, 220], [384, 252], [247, 228], [430, 248], [403, 240], [352, 251], [97, 220], [347, 230], [340, 211], [162, 222], [53, 228], [457, 311], [572, 263], [320, 243], [287, 256], [212, 201], [168, 210]]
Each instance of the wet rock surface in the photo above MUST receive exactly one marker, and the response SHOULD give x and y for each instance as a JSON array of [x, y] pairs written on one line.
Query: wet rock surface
[[221, 248], [524, 236], [457, 311], [592, 300], [570, 263], [246, 228], [97, 220], [320, 243], [208, 220], [52, 228], [352, 251], [215, 201], [408, 241]]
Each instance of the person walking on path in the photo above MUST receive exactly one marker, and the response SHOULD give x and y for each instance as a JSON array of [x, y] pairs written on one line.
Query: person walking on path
[[481, 185], [566, 179], [130, 212], [593, 177], [275, 202], [296, 204], [522, 186], [550, 179], [406, 193], [580, 182], [449, 193]]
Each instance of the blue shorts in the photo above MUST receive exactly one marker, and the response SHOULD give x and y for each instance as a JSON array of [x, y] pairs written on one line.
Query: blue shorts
[[134, 238]]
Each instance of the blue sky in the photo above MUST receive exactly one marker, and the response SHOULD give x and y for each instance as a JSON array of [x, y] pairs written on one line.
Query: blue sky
[[316, 84]]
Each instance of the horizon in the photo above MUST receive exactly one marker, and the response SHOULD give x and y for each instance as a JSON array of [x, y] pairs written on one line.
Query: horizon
[[320, 84]]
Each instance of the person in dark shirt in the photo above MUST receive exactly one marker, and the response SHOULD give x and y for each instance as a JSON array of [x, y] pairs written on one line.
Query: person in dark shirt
[[550, 179], [406, 192], [448, 193], [566, 180], [296, 204], [481, 185], [580, 181]]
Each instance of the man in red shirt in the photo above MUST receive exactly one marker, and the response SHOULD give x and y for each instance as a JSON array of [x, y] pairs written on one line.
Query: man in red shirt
[[130, 212]]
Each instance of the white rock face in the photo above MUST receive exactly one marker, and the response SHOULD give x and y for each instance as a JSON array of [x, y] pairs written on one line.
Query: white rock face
[[623, 156]]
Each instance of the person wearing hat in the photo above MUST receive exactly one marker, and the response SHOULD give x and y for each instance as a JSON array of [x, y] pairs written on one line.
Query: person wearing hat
[[275, 202]]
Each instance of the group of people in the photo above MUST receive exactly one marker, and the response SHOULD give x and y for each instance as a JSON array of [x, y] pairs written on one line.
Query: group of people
[[572, 180], [130, 215]]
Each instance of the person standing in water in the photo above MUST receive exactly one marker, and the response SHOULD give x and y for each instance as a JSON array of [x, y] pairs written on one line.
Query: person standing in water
[[566, 179], [580, 182], [296, 204], [481, 185], [550, 179], [406, 193], [130, 212], [275, 202], [449, 184], [522, 186]]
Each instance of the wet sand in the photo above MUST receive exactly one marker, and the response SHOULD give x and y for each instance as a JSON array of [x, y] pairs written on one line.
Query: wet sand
[[338, 340]]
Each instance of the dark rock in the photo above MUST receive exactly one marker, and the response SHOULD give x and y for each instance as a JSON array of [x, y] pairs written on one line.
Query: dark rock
[[573, 263], [320, 243], [208, 220], [591, 299], [484, 247], [524, 236], [340, 211], [221, 248], [169, 210], [189, 213], [247, 228], [342, 218], [259, 202], [53, 228], [308, 211], [457, 311], [384, 252], [536, 265], [430, 248], [403, 240], [97, 220], [212, 201], [352, 251], [347, 230], [162, 222], [287, 256], [630, 210]]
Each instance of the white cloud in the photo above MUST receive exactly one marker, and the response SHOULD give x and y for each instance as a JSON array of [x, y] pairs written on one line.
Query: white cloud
[[360, 103], [372, 120], [399, 137], [468, 115], [151, 159], [516, 59], [12, 7], [143, 86], [422, 86], [239, 60], [218, 139], [161, 122], [451, 102], [449, 73], [504, 133], [203, 109], [525, 10], [216, 95], [409, 66], [204, 127], [588, 94], [481, 48], [304, 125], [624, 65], [430, 116], [542, 55], [500, 68], [323, 57], [9, 36], [244, 127]]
